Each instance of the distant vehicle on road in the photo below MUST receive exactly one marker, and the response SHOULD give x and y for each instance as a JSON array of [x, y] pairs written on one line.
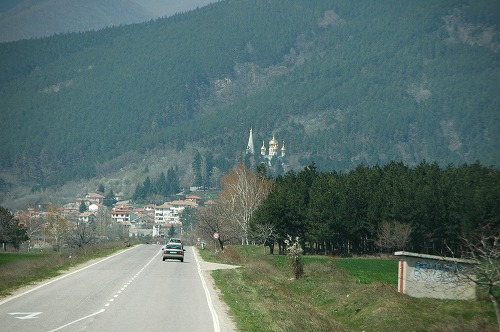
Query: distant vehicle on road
[[175, 240], [173, 251]]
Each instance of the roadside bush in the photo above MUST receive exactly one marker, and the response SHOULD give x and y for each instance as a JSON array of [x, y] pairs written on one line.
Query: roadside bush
[[294, 253]]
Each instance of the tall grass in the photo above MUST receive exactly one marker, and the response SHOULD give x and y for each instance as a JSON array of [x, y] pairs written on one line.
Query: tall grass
[[334, 295]]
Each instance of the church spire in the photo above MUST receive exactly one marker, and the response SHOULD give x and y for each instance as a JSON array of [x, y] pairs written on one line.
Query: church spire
[[250, 148]]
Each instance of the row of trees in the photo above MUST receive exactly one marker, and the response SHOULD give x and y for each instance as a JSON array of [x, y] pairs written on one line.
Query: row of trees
[[343, 212], [426, 209]]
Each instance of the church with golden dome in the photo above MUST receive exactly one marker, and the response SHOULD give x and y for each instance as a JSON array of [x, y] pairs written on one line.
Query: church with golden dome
[[273, 149], [267, 154]]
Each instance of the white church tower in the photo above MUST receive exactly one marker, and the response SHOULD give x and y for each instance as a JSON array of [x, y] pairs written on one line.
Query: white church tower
[[250, 148]]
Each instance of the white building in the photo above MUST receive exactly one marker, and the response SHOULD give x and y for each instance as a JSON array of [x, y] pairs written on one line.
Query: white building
[[121, 213], [169, 212]]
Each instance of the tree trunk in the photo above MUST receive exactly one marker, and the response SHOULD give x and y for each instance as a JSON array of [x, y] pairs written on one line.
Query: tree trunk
[[271, 246], [495, 305], [221, 244]]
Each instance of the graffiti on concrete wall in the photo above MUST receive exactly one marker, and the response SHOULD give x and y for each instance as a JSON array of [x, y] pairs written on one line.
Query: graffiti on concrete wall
[[436, 271]]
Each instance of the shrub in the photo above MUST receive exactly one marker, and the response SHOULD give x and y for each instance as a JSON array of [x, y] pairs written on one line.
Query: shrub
[[294, 253]]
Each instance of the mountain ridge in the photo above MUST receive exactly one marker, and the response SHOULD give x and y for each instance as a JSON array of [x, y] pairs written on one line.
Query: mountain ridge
[[341, 83], [27, 19]]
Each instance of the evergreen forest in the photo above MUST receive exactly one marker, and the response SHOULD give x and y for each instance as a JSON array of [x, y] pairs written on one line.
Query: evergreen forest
[[343, 213], [343, 82]]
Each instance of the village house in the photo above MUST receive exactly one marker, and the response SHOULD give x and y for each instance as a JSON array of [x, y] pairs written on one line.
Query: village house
[[87, 217], [169, 212], [163, 213], [95, 198], [121, 213], [193, 198]]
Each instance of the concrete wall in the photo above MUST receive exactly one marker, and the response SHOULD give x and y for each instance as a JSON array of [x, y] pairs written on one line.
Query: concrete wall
[[435, 277]]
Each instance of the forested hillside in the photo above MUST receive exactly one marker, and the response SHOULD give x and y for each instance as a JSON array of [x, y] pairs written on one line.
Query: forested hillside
[[342, 82]]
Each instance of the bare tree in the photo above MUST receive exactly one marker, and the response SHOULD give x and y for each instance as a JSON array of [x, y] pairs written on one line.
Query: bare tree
[[393, 235], [33, 225], [56, 225], [264, 233], [242, 192], [84, 233], [214, 219], [485, 249], [103, 220]]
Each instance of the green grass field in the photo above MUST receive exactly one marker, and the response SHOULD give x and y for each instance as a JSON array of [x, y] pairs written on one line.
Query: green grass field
[[367, 270], [12, 257], [335, 294]]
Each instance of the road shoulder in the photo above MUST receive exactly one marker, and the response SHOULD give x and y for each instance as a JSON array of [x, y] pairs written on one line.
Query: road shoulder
[[225, 320]]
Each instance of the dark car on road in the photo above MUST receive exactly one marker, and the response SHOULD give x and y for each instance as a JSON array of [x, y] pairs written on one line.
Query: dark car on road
[[173, 251]]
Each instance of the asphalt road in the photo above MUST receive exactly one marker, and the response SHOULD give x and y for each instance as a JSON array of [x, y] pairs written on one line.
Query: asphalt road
[[133, 290]]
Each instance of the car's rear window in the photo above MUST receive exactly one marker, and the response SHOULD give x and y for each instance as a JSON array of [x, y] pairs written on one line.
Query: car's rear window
[[173, 246]]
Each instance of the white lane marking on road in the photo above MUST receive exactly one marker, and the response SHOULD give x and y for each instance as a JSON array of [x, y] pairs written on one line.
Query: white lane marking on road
[[25, 315], [215, 318], [79, 319], [102, 310], [61, 277], [128, 283]]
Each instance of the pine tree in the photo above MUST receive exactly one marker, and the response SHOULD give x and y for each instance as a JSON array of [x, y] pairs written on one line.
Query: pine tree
[[110, 199], [197, 161], [83, 207]]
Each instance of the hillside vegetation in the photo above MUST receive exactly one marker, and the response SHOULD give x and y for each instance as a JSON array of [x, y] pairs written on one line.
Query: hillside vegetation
[[341, 82]]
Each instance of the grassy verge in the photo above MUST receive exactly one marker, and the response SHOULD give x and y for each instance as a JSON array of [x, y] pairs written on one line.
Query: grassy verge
[[334, 295], [19, 269]]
